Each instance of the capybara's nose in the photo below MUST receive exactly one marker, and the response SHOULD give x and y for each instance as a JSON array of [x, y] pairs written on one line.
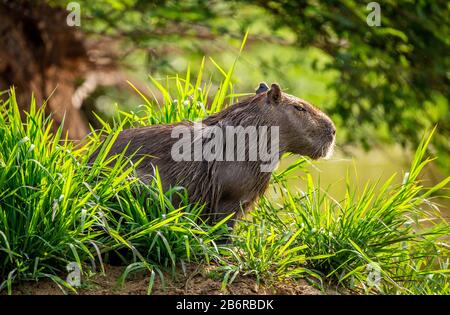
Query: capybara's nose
[[330, 128]]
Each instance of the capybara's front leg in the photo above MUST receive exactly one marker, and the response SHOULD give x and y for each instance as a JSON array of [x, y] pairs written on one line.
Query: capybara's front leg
[[224, 209]]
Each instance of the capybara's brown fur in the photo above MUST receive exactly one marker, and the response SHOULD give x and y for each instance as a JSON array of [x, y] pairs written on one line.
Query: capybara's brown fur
[[231, 186]]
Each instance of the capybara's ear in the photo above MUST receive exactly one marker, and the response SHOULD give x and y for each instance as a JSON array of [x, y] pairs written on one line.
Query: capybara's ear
[[263, 87], [274, 93]]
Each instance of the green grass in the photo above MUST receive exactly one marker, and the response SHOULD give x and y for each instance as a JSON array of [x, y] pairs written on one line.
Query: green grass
[[392, 230], [56, 208]]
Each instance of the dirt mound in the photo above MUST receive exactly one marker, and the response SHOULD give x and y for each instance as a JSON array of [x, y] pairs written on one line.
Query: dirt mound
[[195, 281]]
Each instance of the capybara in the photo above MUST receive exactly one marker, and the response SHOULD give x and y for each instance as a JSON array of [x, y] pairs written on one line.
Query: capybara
[[230, 185]]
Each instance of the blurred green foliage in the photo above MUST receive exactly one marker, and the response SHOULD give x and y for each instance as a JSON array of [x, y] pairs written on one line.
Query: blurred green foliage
[[380, 84]]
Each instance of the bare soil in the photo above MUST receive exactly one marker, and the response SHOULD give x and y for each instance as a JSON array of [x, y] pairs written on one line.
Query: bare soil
[[196, 281]]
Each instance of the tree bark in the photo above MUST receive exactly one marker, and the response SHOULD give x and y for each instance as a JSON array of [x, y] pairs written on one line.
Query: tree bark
[[41, 55]]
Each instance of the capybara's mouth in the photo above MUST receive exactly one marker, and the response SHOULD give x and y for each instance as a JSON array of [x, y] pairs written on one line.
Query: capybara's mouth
[[325, 150], [329, 150]]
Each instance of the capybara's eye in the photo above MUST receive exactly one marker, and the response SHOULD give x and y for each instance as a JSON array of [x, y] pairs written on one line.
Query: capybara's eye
[[299, 108]]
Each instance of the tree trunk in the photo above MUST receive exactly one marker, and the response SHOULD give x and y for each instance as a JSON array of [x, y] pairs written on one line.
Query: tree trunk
[[42, 56]]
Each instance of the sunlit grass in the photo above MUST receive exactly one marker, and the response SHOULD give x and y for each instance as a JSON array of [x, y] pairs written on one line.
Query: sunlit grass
[[56, 207], [394, 232]]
